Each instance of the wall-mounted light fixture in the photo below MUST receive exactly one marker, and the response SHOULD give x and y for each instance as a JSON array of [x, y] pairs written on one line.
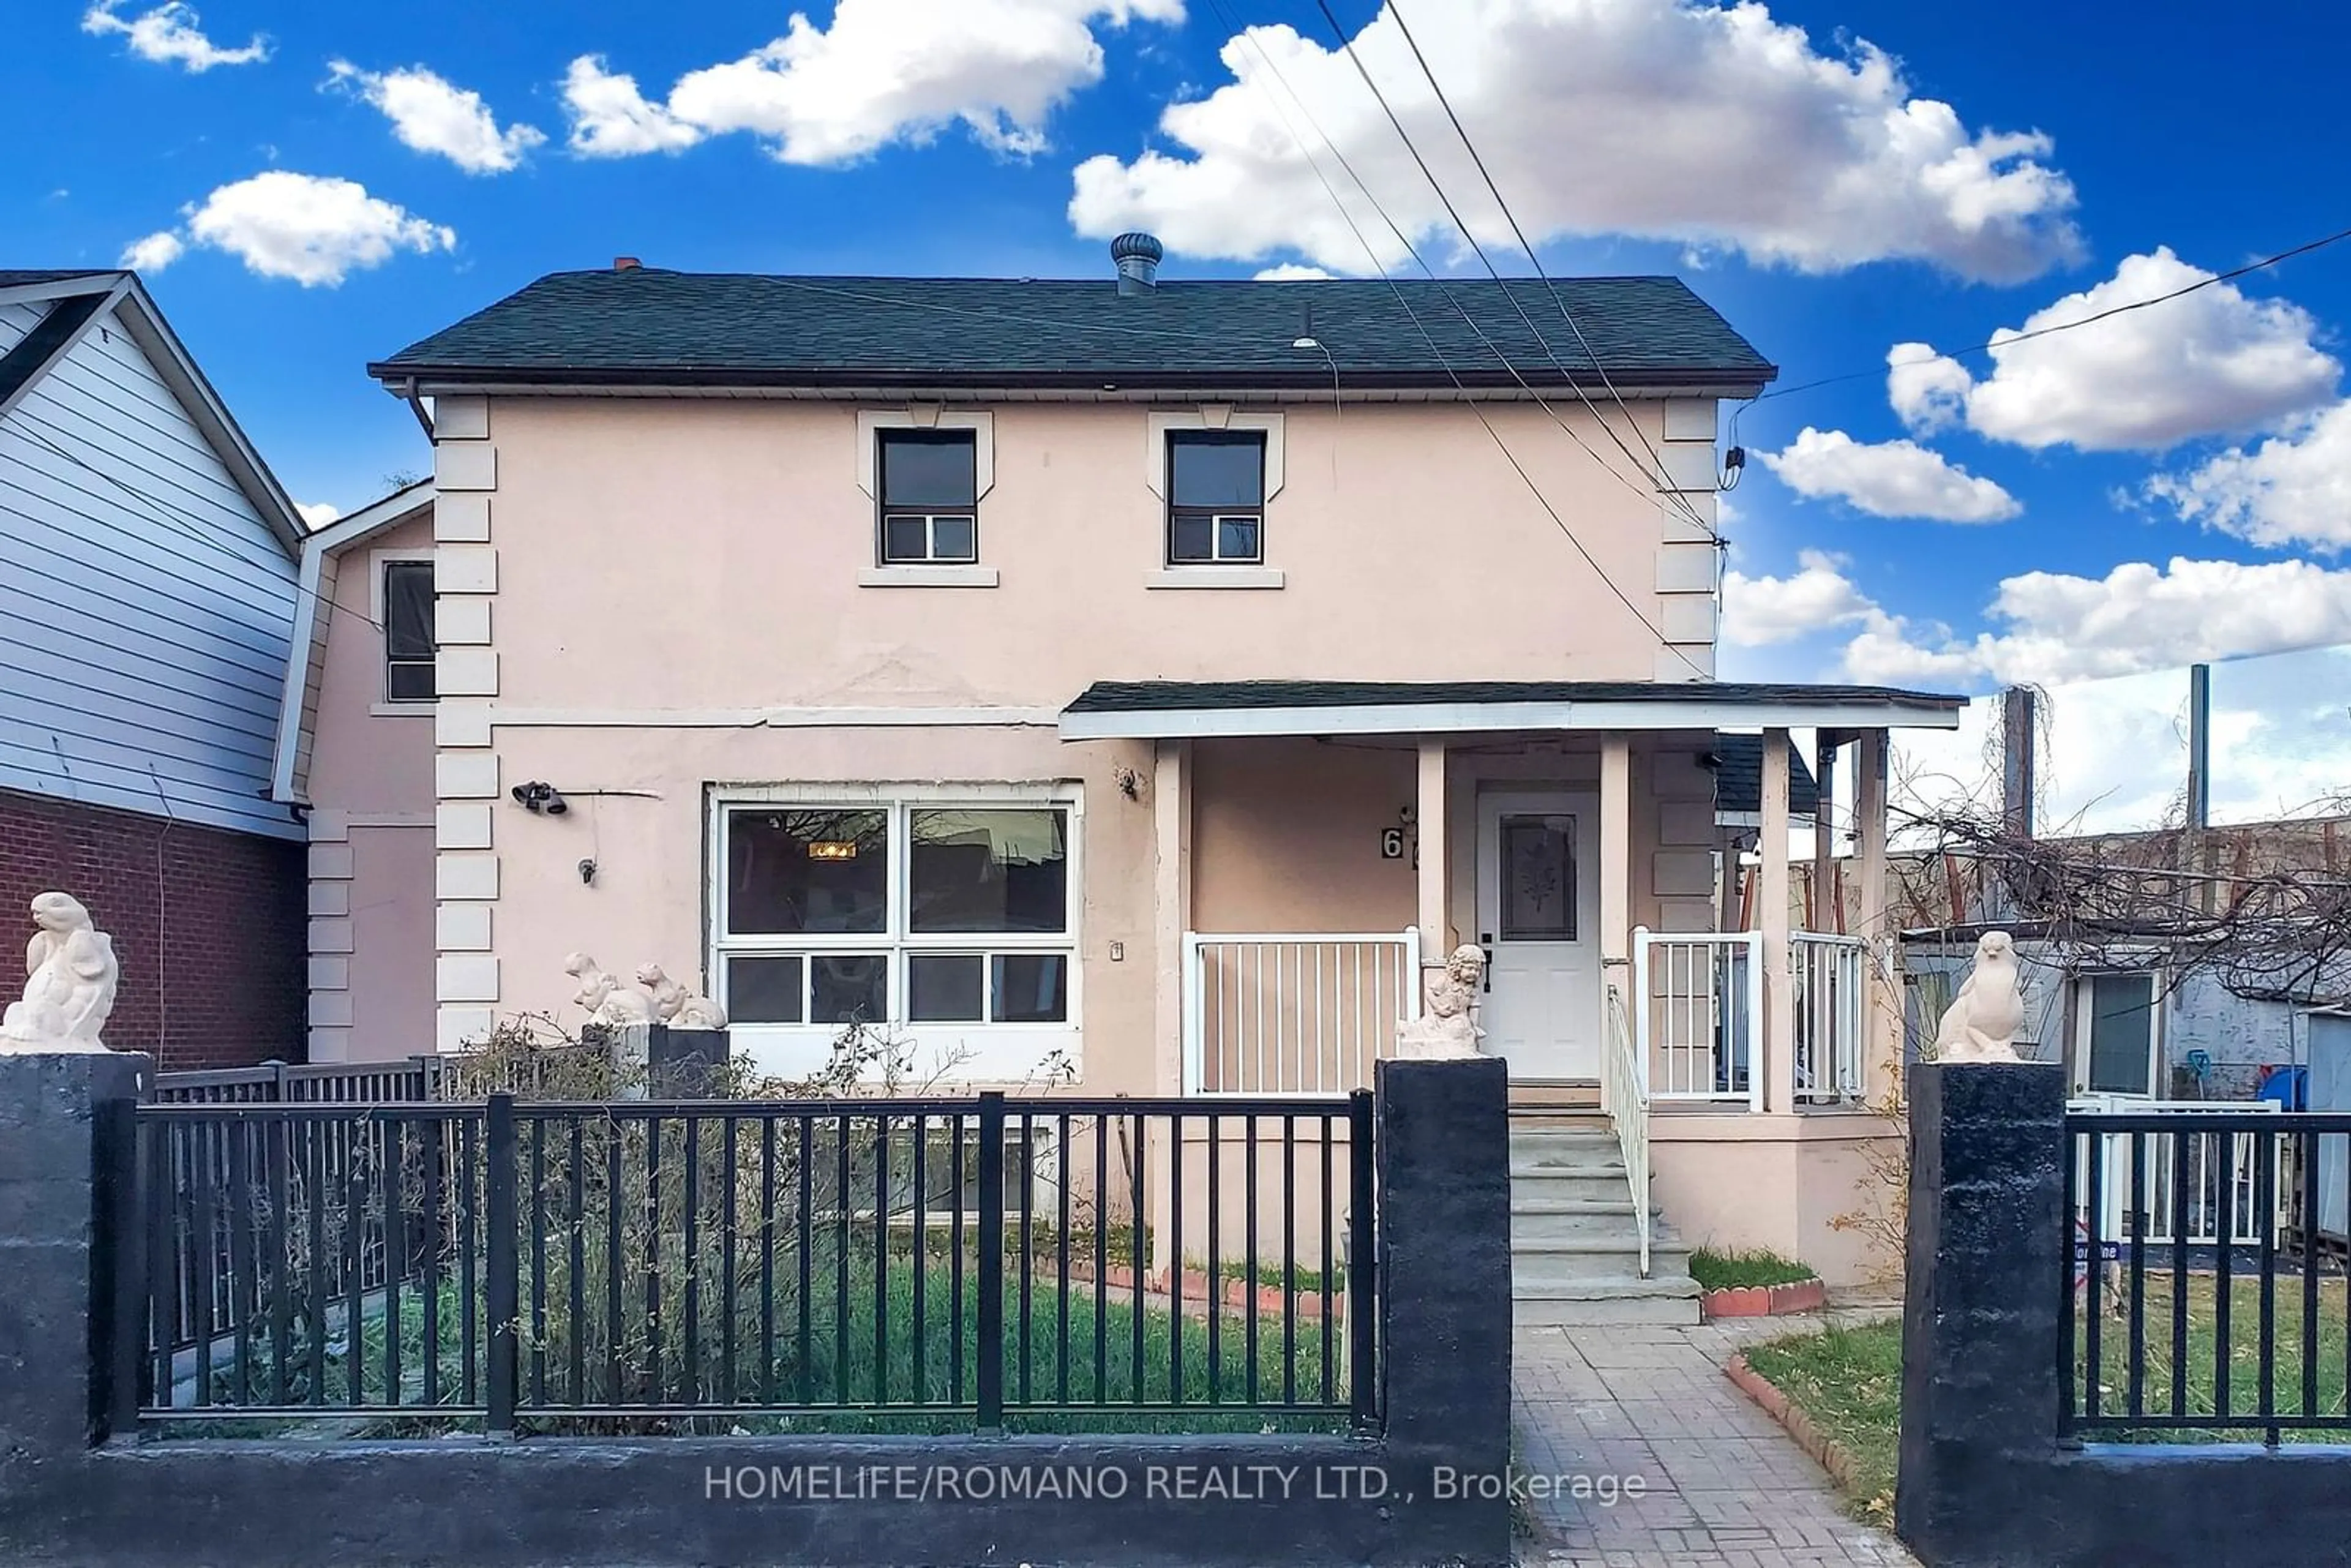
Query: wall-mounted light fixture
[[832, 849], [538, 797]]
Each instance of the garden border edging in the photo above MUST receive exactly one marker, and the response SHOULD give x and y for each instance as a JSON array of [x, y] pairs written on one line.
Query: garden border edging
[[1764, 1300]]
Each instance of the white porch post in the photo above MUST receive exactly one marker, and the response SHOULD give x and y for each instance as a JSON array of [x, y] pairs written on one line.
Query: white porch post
[[1874, 923], [1777, 1036], [1433, 876], [1171, 905], [1615, 876]]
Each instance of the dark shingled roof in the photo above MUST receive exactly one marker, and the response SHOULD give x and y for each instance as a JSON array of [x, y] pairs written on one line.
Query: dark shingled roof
[[1739, 778], [645, 326], [1148, 696], [18, 278]]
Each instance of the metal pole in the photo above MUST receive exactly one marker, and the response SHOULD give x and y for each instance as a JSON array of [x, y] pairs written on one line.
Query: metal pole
[[505, 1270], [990, 1336], [2020, 712]]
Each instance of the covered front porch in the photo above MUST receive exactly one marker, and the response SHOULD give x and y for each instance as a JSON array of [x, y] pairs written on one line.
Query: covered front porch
[[1621, 855]]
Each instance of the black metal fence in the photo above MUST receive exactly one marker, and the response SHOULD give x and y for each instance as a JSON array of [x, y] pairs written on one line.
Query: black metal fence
[[2206, 1295], [466, 1076], [548, 1265]]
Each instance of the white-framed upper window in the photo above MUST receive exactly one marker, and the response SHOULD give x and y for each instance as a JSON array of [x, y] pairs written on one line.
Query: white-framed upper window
[[949, 910], [403, 607], [928, 499], [1215, 497], [2118, 1034]]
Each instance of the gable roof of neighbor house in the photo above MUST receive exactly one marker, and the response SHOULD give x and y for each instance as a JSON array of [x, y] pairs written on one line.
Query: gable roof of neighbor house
[[1164, 710], [645, 327], [1738, 778], [297, 710], [150, 664]]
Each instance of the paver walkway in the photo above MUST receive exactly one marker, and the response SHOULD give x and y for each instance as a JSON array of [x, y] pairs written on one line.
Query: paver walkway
[[1722, 1485]]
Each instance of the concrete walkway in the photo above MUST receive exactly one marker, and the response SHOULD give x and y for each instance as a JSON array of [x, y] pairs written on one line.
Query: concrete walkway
[[1722, 1486]]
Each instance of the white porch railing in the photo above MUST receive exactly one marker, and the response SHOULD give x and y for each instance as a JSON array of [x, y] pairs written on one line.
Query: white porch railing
[[1831, 1014], [1698, 1004], [1627, 1099], [1300, 1013], [2191, 1155]]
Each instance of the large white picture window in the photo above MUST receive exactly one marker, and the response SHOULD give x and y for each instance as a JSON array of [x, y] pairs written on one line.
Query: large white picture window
[[945, 920]]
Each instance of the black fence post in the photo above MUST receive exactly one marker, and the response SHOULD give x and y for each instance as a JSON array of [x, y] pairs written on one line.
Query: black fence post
[[990, 1332], [1363, 1266], [504, 1284], [118, 1329]]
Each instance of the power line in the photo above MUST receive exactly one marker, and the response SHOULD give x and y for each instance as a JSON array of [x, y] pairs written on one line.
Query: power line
[[2093, 318], [1664, 479], [1507, 456]]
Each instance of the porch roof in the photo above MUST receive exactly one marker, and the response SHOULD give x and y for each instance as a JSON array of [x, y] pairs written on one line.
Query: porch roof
[[1171, 710]]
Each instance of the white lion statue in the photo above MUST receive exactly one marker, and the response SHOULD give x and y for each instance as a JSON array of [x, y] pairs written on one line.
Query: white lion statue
[[675, 1005], [70, 980], [601, 994]]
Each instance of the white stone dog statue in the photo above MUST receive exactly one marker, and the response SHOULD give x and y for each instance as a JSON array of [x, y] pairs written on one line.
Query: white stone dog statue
[[70, 978], [1982, 1022]]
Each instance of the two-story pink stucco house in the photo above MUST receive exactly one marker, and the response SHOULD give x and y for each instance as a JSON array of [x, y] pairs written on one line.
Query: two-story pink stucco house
[[1159, 675]]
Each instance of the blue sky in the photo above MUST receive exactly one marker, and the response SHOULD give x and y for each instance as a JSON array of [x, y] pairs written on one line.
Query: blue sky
[[2174, 485]]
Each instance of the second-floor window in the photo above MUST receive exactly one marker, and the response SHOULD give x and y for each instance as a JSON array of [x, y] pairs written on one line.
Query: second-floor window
[[408, 631], [929, 497], [1215, 497]]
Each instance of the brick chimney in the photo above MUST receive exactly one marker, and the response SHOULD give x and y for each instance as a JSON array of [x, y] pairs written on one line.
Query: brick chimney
[[625, 264]]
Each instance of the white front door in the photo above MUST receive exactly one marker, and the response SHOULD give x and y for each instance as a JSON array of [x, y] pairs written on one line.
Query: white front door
[[1538, 919]]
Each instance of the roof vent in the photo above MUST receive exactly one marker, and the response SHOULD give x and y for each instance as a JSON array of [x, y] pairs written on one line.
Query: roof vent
[[625, 264], [1136, 255]]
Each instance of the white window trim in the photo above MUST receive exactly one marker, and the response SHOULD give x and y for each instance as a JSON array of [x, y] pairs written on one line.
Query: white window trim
[[2084, 993], [871, 422], [383, 707], [996, 1052], [1210, 416]]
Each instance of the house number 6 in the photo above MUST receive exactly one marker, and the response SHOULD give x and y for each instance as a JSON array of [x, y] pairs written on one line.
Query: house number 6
[[1391, 844]]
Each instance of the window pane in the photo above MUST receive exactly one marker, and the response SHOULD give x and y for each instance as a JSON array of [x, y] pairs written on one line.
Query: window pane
[[408, 683], [905, 538], [1537, 879], [1216, 468], [796, 872], [1237, 539], [1192, 538], [954, 539], [408, 610], [942, 988], [2122, 1031], [1032, 987], [927, 469], [763, 990], [988, 871], [849, 988]]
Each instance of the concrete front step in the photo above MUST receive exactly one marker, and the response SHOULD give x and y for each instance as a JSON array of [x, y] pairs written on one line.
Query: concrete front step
[[1626, 1299], [1564, 1218]]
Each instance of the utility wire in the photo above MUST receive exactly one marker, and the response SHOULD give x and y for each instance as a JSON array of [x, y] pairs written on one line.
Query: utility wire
[[1380, 269], [1395, 10], [2095, 317]]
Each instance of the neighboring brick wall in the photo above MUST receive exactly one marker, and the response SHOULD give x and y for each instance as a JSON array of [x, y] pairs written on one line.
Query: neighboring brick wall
[[209, 926]]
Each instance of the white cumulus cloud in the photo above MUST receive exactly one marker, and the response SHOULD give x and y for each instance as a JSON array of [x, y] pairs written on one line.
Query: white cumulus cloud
[[168, 34], [2204, 364], [154, 252], [312, 228], [1673, 120], [433, 115], [1290, 272], [318, 514], [1760, 611], [612, 119], [1887, 479], [2054, 626], [2292, 489], [884, 71]]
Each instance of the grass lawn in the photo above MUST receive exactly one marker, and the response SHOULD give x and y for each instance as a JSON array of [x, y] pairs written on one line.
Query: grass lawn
[[1849, 1381], [861, 1350], [1728, 1271]]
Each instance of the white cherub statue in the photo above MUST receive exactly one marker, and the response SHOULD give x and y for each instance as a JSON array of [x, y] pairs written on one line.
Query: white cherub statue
[[1445, 1029], [70, 978], [1982, 1022], [601, 992], [676, 1005]]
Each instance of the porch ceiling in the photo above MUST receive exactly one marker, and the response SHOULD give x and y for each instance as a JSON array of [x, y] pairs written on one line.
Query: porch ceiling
[[1173, 710]]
